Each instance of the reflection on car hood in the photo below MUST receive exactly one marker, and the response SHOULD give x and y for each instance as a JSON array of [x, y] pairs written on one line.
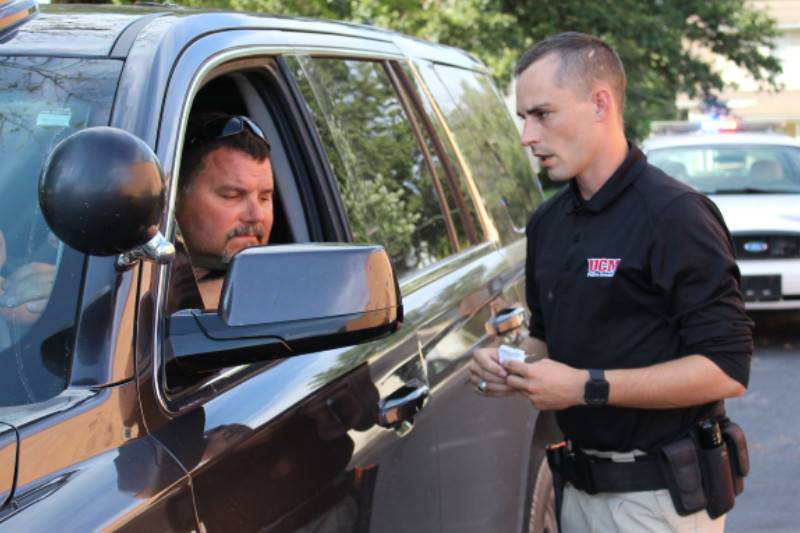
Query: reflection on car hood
[[760, 212]]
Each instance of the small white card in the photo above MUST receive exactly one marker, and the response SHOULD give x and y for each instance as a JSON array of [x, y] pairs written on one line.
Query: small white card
[[506, 353]]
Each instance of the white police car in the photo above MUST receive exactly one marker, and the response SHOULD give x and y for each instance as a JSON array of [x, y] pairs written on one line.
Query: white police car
[[754, 178]]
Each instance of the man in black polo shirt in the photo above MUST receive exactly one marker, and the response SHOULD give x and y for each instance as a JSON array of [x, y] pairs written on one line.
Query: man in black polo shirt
[[632, 286]]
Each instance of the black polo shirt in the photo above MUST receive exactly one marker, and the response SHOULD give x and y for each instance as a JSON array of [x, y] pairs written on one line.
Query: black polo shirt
[[641, 273]]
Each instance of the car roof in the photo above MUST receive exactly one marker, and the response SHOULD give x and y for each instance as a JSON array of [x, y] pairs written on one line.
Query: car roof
[[100, 31], [706, 139]]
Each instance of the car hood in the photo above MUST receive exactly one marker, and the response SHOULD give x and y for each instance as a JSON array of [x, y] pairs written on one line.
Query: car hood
[[760, 212]]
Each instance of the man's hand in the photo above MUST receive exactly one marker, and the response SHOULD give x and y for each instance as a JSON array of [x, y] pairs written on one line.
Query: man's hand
[[24, 294], [549, 385], [484, 367]]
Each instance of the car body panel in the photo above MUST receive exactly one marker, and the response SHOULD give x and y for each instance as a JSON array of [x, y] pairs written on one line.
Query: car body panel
[[130, 479], [775, 212], [8, 461]]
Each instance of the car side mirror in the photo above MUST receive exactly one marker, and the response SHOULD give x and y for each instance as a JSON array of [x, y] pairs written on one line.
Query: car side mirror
[[279, 301], [102, 193]]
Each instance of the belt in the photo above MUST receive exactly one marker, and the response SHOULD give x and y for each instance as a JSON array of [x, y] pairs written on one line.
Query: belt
[[593, 474]]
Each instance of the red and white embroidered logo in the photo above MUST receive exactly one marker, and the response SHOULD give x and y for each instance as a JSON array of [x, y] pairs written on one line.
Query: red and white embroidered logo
[[602, 267]]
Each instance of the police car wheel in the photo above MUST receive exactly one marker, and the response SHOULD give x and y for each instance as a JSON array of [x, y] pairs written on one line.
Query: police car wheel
[[541, 511]]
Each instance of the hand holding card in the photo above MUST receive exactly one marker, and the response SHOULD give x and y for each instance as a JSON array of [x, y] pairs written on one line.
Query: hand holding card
[[506, 353]]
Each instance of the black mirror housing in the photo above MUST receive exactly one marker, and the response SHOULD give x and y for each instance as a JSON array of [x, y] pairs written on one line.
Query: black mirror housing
[[279, 301], [102, 191]]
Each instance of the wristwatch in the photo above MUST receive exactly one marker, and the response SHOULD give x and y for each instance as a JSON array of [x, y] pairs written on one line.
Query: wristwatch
[[595, 393]]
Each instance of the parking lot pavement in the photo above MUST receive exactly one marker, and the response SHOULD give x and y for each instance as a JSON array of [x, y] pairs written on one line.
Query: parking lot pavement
[[770, 415]]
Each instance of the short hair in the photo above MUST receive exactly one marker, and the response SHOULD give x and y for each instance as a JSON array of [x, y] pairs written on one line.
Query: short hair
[[196, 147], [582, 57]]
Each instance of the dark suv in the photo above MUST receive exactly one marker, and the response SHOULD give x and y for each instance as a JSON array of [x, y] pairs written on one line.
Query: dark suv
[[329, 391]]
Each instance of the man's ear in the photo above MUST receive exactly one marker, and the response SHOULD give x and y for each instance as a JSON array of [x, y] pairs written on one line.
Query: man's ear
[[603, 104]]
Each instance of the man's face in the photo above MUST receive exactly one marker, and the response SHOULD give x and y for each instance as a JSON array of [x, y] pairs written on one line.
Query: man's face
[[559, 121], [227, 207]]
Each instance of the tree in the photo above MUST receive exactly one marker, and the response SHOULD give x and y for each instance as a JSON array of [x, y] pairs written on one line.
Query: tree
[[665, 44]]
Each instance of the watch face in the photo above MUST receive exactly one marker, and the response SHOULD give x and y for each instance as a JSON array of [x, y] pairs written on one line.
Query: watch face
[[596, 392]]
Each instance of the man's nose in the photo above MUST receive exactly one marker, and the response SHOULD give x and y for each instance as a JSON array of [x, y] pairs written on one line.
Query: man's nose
[[254, 210], [531, 133]]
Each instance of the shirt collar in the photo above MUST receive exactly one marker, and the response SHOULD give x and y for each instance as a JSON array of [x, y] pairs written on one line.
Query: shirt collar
[[626, 173]]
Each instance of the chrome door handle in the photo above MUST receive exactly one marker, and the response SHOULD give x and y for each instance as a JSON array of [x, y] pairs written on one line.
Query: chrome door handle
[[401, 407], [505, 321]]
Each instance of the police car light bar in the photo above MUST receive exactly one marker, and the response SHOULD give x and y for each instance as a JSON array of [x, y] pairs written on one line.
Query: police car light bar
[[13, 14], [718, 125]]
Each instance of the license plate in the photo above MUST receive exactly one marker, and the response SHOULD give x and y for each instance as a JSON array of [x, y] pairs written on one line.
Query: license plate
[[761, 288]]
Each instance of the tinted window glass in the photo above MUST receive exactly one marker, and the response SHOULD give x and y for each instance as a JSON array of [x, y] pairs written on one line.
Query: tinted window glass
[[386, 185], [732, 168], [488, 140], [462, 208], [42, 100]]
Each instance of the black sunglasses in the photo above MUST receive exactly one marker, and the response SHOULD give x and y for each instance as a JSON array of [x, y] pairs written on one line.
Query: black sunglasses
[[222, 127]]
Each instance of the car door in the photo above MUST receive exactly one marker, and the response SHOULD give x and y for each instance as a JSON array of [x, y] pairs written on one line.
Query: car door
[[448, 295], [501, 440], [331, 441]]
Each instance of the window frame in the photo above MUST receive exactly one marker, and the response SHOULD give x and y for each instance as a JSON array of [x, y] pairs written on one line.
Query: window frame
[[190, 70]]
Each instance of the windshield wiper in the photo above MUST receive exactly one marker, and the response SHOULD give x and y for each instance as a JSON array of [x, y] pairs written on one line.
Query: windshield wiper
[[754, 190]]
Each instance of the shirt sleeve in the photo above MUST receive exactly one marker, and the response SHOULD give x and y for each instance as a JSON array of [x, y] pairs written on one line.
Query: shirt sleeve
[[693, 263], [536, 325]]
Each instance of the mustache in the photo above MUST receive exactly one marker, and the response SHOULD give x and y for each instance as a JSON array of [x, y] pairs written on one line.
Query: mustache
[[247, 229]]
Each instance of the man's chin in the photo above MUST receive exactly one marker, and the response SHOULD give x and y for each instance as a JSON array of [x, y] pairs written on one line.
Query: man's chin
[[235, 248]]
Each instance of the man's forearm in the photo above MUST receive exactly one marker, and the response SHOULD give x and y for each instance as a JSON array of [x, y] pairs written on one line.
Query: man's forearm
[[684, 382]]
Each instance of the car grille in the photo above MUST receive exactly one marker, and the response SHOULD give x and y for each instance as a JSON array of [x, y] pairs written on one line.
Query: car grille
[[763, 246]]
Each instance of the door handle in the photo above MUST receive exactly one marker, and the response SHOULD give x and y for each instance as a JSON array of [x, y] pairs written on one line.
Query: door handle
[[506, 321], [399, 409]]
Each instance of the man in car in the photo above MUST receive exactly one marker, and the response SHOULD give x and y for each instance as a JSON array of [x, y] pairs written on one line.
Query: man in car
[[225, 197], [25, 292], [637, 317]]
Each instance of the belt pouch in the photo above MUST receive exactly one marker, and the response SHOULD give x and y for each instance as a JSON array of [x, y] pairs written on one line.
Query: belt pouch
[[737, 450], [718, 480], [681, 469]]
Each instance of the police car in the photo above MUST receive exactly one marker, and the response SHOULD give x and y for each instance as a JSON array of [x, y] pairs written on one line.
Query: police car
[[754, 178]]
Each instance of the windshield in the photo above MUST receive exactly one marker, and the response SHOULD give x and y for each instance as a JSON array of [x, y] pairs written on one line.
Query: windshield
[[732, 169], [42, 101]]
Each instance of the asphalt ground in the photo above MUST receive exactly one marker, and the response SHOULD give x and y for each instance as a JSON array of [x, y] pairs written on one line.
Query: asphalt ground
[[769, 413]]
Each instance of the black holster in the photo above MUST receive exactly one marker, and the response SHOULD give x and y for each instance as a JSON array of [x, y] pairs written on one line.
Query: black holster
[[706, 477]]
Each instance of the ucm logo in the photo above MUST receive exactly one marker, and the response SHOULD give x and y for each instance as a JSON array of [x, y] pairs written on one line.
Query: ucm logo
[[602, 267]]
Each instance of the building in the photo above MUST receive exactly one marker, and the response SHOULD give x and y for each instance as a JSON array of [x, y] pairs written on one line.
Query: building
[[744, 98]]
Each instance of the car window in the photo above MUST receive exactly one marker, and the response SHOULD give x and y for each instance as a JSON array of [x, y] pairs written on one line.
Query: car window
[[386, 183], [42, 101], [729, 168], [465, 210], [488, 139]]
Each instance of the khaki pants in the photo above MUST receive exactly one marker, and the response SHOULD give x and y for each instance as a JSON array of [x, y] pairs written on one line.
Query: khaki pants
[[630, 512]]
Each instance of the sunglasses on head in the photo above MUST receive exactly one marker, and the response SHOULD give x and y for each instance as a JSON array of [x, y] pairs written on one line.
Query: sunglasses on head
[[222, 127]]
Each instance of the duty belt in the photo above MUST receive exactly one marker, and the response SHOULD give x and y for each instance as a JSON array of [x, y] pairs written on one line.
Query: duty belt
[[594, 474]]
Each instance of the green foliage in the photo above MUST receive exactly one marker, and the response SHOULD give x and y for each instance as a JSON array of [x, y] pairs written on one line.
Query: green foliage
[[660, 41], [386, 187], [664, 45]]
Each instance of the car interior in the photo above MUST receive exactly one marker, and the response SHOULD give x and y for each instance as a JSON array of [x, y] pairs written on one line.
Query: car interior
[[248, 92], [257, 92]]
